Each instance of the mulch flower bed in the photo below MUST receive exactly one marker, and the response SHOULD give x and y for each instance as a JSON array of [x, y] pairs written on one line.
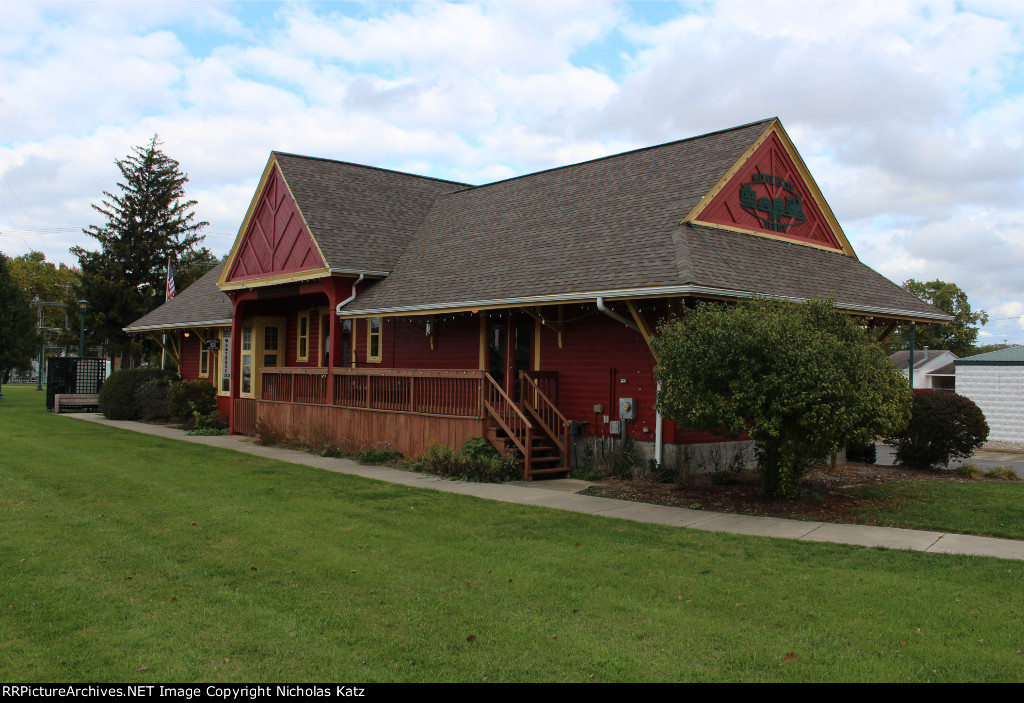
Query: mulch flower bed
[[826, 494]]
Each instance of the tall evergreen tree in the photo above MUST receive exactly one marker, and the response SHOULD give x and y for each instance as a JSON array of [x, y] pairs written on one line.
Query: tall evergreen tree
[[147, 224], [19, 336]]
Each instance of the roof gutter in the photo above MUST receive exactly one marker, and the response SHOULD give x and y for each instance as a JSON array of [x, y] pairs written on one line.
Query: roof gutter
[[178, 325], [346, 301], [654, 291]]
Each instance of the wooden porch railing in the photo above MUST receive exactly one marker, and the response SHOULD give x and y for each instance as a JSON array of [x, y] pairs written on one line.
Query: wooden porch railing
[[546, 381], [452, 393], [511, 419], [544, 411], [294, 385]]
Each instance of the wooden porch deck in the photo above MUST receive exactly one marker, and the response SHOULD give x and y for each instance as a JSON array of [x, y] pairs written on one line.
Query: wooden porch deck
[[409, 408]]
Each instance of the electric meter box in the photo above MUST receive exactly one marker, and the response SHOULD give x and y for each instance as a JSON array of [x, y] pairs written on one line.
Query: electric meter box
[[627, 408]]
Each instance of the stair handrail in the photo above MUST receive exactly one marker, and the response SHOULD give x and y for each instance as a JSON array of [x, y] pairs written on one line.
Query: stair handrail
[[545, 406], [519, 420]]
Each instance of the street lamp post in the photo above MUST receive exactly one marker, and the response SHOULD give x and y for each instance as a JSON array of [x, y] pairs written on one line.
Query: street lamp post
[[82, 305]]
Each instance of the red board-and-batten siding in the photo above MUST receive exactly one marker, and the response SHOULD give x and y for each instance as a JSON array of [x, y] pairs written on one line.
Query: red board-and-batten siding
[[190, 349], [771, 158], [276, 241]]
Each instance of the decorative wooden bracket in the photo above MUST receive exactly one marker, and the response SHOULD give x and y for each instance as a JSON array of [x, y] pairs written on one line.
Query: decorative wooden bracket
[[199, 333], [172, 351], [888, 332], [641, 322], [557, 327]]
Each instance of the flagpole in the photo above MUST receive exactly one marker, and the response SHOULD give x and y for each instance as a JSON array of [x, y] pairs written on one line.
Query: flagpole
[[168, 294]]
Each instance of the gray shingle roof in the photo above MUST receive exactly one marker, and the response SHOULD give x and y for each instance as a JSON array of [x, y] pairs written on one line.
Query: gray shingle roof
[[947, 370], [614, 225], [604, 224], [611, 226], [902, 357], [202, 304], [361, 217]]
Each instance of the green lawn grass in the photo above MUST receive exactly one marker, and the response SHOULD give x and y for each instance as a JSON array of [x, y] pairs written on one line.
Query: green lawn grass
[[989, 508], [131, 558]]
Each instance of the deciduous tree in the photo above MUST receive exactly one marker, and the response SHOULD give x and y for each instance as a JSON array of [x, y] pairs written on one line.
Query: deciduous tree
[[959, 336], [148, 223], [52, 284], [19, 336], [802, 380]]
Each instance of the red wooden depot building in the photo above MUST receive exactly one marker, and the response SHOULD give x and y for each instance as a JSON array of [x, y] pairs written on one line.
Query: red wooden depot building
[[384, 306]]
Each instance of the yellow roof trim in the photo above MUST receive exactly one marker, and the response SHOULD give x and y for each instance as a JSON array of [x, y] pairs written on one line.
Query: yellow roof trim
[[766, 235], [777, 129], [273, 279], [277, 279]]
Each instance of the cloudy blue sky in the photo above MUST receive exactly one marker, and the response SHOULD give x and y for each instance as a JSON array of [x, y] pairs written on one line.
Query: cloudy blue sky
[[909, 114]]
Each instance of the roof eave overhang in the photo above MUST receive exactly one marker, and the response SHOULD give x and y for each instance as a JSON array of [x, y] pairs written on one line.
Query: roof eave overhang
[[296, 277], [179, 326], [651, 292]]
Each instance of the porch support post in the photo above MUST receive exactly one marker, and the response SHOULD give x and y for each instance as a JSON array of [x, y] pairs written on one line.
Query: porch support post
[[233, 362], [911, 361], [334, 348]]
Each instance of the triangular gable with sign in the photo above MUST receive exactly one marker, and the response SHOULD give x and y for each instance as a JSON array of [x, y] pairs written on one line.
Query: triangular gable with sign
[[770, 193], [275, 245]]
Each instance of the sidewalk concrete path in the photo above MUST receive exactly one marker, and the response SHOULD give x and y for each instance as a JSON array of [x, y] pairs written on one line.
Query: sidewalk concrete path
[[561, 494]]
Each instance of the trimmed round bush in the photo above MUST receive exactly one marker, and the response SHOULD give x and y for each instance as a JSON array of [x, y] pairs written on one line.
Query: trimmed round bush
[[119, 394], [186, 397], [942, 426], [151, 399]]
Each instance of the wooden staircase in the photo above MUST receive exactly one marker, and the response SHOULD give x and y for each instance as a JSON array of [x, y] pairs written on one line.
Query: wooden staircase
[[526, 429]]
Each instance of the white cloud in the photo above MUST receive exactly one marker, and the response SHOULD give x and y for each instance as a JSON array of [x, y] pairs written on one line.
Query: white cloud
[[908, 113]]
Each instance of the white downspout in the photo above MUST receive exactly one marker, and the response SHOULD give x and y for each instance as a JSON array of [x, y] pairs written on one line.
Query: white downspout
[[616, 316], [346, 301], [658, 439]]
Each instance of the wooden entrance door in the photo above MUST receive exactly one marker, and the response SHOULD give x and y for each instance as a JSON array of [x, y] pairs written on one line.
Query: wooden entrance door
[[510, 349]]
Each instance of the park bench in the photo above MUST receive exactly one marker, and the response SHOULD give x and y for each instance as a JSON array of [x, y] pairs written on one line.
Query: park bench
[[75, 400]]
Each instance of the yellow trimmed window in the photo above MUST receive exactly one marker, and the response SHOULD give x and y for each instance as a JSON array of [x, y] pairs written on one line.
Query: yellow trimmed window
[[302, 350], [246, 362], [270, 342], [374, 348], [204, 361]]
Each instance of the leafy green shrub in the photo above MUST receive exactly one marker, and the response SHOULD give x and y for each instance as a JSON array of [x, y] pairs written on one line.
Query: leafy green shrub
[[442, 460], [942, 426], [211, 424], [382, 453], [151, 399], [1003, 474], [186, 397], [119, 394], [478, 448], [969, 471]]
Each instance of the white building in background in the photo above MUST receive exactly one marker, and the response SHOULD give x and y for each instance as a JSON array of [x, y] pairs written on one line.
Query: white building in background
[[995, 382], [933, 369]]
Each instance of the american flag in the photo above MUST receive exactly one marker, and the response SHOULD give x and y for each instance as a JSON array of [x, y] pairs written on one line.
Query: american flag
[[170, 282]]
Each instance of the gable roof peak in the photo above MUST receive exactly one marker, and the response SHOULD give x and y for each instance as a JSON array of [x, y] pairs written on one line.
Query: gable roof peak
[[767, 122], [277, 154]]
